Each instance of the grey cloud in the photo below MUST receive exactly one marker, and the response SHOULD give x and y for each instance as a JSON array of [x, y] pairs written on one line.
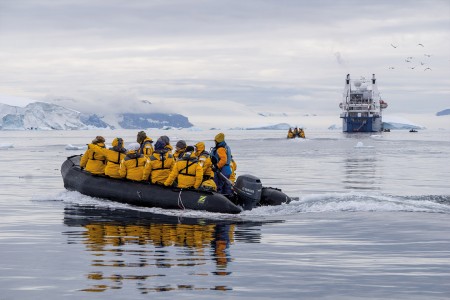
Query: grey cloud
[[252, 52]]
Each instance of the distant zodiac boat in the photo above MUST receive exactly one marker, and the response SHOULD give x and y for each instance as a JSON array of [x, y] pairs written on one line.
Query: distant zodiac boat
[[249, 190], [361, 107]]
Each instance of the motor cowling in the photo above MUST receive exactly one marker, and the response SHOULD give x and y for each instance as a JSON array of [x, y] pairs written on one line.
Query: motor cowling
[[248, 189]]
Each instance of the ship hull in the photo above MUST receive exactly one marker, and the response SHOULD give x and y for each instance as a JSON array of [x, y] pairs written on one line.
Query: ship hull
[[361, 124]]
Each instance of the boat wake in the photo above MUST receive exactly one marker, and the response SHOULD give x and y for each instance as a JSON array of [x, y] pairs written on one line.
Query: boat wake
[[358, 202], [313, 203]]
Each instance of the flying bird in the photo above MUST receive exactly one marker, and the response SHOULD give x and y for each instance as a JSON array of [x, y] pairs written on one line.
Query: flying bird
[[427, 69], [412, 68], [420, 45], [407, 60], [394, 46], [427, 55], [391, 68], [422, 63]]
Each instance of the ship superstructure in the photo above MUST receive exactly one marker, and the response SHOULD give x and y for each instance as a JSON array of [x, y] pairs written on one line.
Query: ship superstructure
[[361, 107]]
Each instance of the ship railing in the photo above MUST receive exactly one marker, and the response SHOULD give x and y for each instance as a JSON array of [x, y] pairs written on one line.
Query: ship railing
[[361, 108], [360, 101]]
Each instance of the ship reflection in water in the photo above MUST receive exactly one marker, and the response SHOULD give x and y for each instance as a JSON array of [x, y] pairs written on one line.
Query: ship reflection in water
[[361, 168], [153, 251]]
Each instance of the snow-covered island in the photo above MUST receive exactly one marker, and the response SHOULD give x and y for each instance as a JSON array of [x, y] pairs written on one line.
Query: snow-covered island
[[444, 112], [47, 116]]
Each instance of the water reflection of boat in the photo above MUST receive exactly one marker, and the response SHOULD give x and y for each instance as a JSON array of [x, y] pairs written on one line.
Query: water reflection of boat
[[82, 216], [121, 241]]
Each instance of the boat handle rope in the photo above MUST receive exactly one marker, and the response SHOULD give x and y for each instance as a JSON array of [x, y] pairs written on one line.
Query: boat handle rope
[[180, 202]]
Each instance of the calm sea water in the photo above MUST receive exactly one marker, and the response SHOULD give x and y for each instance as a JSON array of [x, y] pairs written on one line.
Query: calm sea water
[[372, 221]]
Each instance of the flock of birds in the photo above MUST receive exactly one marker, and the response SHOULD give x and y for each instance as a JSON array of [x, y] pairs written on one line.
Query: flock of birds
[[412, 60]]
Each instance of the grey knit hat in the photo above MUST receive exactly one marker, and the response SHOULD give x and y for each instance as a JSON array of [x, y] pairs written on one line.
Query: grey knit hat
[[181, 144]]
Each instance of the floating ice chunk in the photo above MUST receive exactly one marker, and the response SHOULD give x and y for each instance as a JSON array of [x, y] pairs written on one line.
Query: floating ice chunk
[[72, 147], [361, 145], [6, 146], [194, 129]]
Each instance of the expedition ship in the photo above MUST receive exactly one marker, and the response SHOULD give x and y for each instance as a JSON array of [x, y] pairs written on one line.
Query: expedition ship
[[361, 107]]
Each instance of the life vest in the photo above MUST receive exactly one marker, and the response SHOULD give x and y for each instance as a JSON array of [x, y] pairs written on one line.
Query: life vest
[[120, 152], [163, 158], [134, 156], [205, 154], [189, 162], [226, 169], [145, 149], [94, 153], [93, 161], [159, 167], [132, 166]]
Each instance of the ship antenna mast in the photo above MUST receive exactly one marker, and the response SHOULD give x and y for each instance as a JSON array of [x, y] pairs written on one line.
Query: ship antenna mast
[[347, 89], [375, 92]]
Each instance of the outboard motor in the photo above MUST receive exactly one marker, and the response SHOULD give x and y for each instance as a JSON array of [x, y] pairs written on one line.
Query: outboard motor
[[248, 189]]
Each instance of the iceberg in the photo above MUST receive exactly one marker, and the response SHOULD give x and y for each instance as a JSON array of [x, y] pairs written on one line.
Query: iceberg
[[72, 147], [334, 127], [395, 122], [361, 145], [444, 112], [280, 126], [153, 120], [39, 116], [4, 146]]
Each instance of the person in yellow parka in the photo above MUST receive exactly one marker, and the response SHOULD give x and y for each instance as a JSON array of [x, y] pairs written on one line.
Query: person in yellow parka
[[113, 156], [132, 166], [205, 161], [145, 143], [301, 133], [93, 160], [160, 164], [233, 166], [187, 171], [180, 148], [166, 140], [290, 134]]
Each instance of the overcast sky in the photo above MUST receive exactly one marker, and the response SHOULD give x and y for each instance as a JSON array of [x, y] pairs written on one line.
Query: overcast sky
[[278, 55]]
